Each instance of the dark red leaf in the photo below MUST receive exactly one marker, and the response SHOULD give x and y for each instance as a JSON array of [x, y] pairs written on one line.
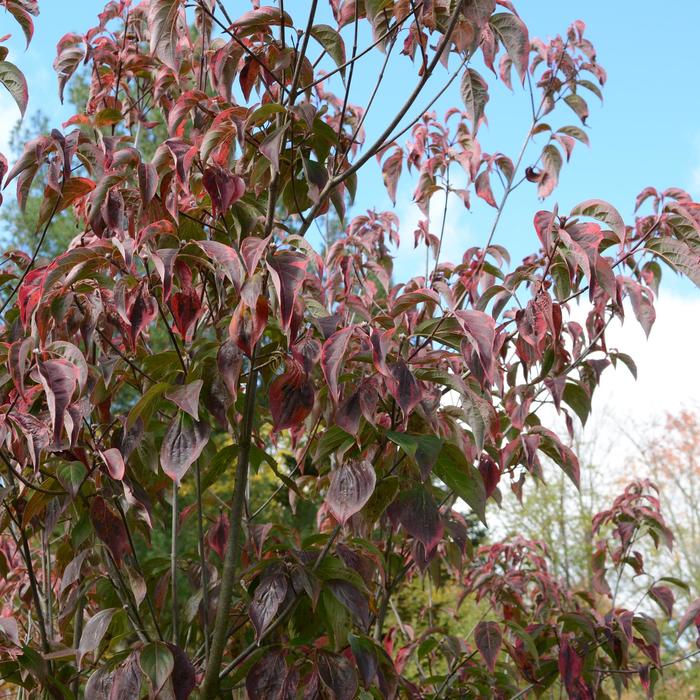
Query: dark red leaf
[[291, 398], [488, 637], [186, 308], [287, 271], [352, 599], [217, 537], [109, 527], [229, 361], [224, 188]]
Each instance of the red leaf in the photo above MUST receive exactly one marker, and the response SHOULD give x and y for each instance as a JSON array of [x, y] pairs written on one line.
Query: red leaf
[[483, 188], [217, 536], [404, 387], [227, 257], [115, 463], [488, 638], [109, 528], [291, 398], [332, 356], [148, 182], [391, 171], [663, 595], [352, 485], [570, 667], [224, 188], [287, 271], [512, 32], [182, 445], [163, 16], [692, 614], [186, 308]]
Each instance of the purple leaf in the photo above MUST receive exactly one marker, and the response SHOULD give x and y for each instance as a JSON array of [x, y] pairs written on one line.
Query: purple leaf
[[182, 445], [352, 599], [60, 379], [291, 398], [229, 361], [352, 485], [266, 678], [268, 597], [187, 397], [338, 675], [332, 357], [418, 514]]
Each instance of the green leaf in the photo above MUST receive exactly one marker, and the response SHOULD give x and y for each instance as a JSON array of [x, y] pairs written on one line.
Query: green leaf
[[422, 449], [14, 81], [463, 478], [146, 404], [602, 211], [332, 42], [577, 398], [156, 662]]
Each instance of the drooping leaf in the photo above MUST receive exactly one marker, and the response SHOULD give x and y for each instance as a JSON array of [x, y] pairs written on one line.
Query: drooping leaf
[[187, 397], [602, 211], [93, 633], [511, 30], [332, 357], [157, 663], [463, 478], [332, 42], [268, 597], [338, 675], [287, 271], [15, 83], [291, 398], [418, 514], [423, 449], [266, 678], [475, 95], [691, 615], [109, 528], [115, 463], [353, 599], [352, 485], [488, 637], [59, 379], [182, 445], [163, 18]]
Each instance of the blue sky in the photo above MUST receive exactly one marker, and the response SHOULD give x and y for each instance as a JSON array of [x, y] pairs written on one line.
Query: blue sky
[[646, 133]]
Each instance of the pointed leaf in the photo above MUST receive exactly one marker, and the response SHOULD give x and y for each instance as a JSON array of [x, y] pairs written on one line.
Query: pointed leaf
[[352, 485], [16, 84], [95, 629], [332, 357], [182, 445], [488, 637], [187, 397], [268, 597]]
